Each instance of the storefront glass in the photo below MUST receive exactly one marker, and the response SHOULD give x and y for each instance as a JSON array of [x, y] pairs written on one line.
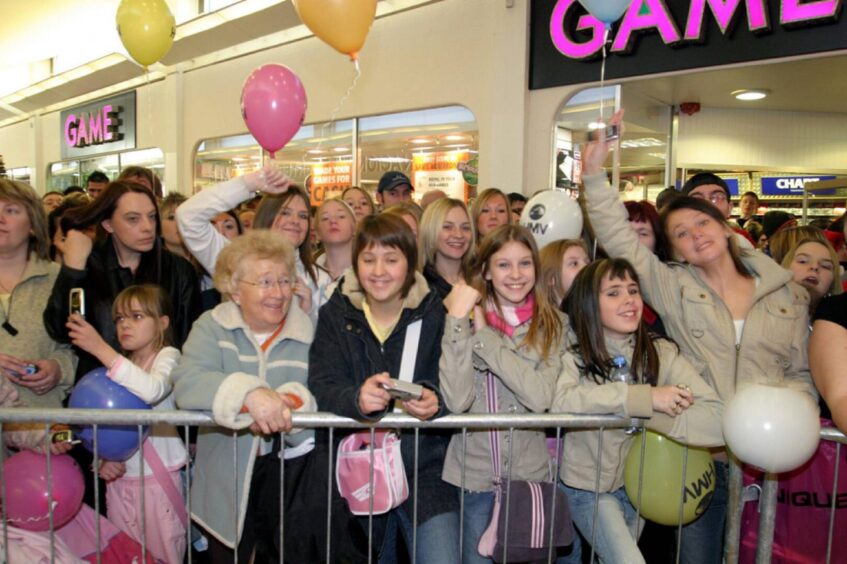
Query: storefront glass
[[436, 148], [63, 174]]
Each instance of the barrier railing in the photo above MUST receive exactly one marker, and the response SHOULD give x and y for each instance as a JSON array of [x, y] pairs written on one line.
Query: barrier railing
[[461, 423]]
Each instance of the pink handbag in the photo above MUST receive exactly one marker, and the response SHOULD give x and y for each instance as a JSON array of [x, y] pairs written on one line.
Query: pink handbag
[[353, 472]]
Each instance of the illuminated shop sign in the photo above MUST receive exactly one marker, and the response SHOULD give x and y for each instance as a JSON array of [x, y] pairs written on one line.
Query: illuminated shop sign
[[106, 125], [329, 179], [666, 35], [791, 185]]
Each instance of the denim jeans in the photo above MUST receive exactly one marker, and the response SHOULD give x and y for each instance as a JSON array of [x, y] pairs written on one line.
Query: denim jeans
[[616, 517], [437, 539], [702, 540]]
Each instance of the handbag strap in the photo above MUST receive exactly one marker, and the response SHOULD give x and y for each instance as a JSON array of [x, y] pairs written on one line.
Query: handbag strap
[[493, 435], [164, 478]]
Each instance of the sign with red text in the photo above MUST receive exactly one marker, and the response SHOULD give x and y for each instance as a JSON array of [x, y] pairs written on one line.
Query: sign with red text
[[329, 180], [655, 36], [104, 126], [441, 171]]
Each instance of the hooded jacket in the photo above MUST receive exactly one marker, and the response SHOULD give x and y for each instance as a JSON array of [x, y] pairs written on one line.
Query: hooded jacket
[[345, 353], [773, 344]]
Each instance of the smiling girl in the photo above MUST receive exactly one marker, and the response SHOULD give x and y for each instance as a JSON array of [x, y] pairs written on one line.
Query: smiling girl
[[490, 210], [359, 346], [736, 315], [605, 308], [513, 356], [446, 243]]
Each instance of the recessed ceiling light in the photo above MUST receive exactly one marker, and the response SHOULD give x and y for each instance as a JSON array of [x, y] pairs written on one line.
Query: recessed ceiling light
[[750, 95], [455, 137], [316, 151], [420, 141], [594, 125], [340, 149]]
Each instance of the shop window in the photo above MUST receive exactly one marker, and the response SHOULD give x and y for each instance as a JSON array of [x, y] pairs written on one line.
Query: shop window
[[63, 174], [639, 167], [437, 148], [21, 174]]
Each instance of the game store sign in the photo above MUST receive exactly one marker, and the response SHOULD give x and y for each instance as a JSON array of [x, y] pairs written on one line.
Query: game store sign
[[669, 35]]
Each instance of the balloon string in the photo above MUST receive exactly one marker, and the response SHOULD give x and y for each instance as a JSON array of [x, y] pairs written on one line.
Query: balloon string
[[603, 71], [344, 98]]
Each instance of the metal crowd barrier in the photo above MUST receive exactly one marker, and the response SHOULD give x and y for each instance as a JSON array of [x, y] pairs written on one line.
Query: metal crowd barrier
[[462, 423]]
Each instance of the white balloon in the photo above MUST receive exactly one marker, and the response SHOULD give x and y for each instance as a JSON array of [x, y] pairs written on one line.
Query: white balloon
[[772, 427], [552, 215], [607, 11]]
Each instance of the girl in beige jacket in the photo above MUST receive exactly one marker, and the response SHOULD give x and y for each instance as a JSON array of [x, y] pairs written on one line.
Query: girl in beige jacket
[[509, 364], [604, 306]]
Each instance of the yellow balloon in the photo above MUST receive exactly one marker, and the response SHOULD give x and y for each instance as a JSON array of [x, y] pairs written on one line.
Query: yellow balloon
[[146, 28], [343, 24], [661, 486]]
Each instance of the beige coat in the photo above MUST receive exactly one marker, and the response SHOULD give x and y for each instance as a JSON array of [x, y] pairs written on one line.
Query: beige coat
[[577, 392], [776, 331], [525, 384]]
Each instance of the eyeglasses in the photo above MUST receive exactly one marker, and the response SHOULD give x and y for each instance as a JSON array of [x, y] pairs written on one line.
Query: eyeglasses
[[266, 284], [714, 197]]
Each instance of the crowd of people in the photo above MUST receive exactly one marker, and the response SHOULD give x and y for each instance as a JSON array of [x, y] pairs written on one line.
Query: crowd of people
[[253, 308]]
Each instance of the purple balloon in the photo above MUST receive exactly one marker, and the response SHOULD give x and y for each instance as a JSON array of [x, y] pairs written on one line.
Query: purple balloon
[[96, 390], [273, 105], [27, 502]]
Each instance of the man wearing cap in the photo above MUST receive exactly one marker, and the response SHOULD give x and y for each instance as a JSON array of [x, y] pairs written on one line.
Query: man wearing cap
[[711, 187], [394, 187]]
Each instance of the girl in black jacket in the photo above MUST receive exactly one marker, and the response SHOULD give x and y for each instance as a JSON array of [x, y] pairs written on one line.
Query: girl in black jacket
[[357, 352]]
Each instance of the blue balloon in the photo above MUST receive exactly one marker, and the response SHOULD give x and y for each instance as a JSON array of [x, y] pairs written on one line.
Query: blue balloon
[[96, 390], [607, 11]]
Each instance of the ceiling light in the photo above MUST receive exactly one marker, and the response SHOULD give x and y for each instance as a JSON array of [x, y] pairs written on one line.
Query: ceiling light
[[316, 151], [594, 125], [393, 160], [750, 95], [340, 149], [419, 141], [455, 137]]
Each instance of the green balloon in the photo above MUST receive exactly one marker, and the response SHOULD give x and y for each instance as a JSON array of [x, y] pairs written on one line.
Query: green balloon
[[661, 486]]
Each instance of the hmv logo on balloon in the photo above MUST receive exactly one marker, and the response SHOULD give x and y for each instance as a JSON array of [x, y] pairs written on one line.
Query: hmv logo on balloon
[[552, 215]]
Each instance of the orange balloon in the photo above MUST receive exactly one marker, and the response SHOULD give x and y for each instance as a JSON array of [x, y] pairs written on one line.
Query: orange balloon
[[342, 24]]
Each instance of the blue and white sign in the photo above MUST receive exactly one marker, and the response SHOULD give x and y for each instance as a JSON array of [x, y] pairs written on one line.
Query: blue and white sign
[[791, 185], [733, 185]]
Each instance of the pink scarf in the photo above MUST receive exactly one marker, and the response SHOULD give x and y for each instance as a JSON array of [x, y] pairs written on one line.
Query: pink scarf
[[513, 316]]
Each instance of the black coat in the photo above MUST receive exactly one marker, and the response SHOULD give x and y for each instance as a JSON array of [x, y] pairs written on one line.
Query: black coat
[[345, 353], [104, 278]]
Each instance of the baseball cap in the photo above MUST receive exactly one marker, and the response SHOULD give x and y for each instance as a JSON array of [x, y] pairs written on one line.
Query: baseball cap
[[391, 179]]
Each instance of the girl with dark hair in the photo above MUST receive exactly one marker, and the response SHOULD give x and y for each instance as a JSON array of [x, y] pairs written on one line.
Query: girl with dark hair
[[357, 352], [284, 208], [131, 253], [645, 221], [514, 356], [737, 316], [604, 307]]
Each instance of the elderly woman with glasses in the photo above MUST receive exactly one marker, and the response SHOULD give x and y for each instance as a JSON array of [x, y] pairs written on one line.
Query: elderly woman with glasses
[[246, 361]]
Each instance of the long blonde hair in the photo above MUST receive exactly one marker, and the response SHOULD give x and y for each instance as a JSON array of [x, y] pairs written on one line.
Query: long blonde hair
[[432, 222], [545, 329], [479, 203]]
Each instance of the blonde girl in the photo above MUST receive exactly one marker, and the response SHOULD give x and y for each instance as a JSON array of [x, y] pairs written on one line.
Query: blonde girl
[[446, 243], [815, 266], [514, 353], [142, 323], [360, 201], [490, 210], [336, 225]]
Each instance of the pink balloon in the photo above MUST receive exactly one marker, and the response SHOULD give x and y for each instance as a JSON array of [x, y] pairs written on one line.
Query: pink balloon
[[26, 500], [273, 105]]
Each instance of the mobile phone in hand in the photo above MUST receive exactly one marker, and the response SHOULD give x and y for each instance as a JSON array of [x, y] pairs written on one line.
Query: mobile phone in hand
[[612, 132], [77, 299], [403, 391], [28, 371], [64, 436]]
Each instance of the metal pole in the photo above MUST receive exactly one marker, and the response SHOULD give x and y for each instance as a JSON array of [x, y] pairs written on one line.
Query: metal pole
[[767, 518], [734, 508]]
